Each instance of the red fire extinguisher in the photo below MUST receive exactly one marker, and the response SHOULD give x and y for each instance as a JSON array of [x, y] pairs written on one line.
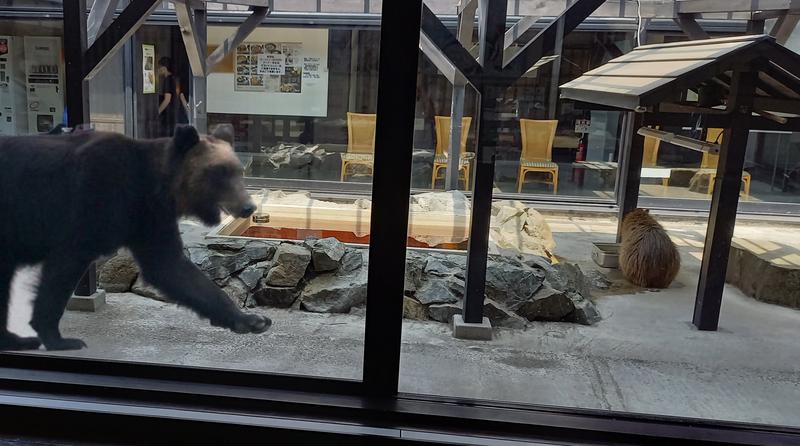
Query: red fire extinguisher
[[580, 155]]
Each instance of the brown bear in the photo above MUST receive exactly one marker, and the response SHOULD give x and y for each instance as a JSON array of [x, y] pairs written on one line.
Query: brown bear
[[647, 257], [67, 199]]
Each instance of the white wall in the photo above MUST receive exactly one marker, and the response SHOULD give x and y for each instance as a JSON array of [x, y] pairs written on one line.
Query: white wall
[[313, 99]]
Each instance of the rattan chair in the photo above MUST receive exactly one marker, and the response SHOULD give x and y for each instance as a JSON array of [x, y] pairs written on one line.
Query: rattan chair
[[537, 151], [710, 161], [360, 141], [443, 147]]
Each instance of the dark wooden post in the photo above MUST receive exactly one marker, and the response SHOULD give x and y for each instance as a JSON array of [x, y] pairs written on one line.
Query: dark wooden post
[[492, 35], [77, 96], [391, 190], [724, 201], [630, 168]]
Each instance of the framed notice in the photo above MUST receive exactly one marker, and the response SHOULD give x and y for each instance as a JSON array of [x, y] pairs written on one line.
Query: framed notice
[[148, 69], [271, 67]]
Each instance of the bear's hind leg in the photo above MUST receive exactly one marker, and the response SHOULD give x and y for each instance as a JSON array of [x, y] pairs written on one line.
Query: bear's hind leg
[[8, 340], [60, 274]]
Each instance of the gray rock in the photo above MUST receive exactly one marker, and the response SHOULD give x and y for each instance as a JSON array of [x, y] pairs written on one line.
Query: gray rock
[[547, 304], [254, 273], [289, 265], [501, 316], [435, 291], [218, 264], [455, 284], [358, 311], [512, 283], [258, 251], [352, 260], [335, 293], [585, 311], [414, 267], [326, 253], [228, 244], [237, 291], [570, 278], [443, 312], [444, 266], [278, 297], [414, 309], [143, 288], [117, 274]]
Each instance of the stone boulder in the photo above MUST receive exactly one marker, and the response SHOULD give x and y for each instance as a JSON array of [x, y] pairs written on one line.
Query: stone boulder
[[352, 260], [500, 316], [289, 265], [218, 264], [252, 275], [118, 274], [414, 309], [547, 304], [278, 297], [143, 288], [443, 312], [511, 283], [237, 291], [335, 293], [585, 312], [435, 291], [326, 253]]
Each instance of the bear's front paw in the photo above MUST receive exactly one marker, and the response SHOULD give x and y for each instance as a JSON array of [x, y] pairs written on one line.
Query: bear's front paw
[[64, 344], [252, 323]]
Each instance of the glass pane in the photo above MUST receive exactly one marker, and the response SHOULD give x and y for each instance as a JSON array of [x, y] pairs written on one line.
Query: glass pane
[[567, 328], [301, 101]]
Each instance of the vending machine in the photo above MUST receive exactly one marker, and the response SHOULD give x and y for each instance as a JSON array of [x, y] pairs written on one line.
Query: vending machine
[[10, 89], [44, 72]]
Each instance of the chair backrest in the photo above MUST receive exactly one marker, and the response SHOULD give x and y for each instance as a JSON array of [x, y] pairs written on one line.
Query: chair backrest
[[710, 160], [360, 133], [443, 133], [537, 139], [650, 156]]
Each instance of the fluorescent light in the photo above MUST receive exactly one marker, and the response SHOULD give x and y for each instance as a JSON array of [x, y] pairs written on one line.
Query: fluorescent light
[[678, 140]]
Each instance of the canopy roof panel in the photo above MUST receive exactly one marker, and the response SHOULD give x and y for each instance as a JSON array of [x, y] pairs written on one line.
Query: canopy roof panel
[[651, 74]]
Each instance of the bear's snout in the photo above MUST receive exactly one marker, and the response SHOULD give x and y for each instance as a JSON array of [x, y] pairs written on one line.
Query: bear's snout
[[247, 210]]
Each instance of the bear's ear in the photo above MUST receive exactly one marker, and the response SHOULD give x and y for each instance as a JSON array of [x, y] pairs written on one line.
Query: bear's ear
[[185, 138], [223, 132]]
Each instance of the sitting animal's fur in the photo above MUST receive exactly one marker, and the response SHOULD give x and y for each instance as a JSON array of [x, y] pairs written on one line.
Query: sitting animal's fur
[[647, 257], [67, 199]]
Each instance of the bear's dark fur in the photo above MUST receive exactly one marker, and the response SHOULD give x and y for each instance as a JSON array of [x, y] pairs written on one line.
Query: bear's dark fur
[[647, 256], [67, 199]]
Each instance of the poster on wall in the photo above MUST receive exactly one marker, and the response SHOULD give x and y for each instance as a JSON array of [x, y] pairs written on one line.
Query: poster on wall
[[148, 69], [272, 67]]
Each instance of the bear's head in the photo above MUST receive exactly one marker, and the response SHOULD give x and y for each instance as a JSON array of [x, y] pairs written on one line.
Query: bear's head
[[209, 176]]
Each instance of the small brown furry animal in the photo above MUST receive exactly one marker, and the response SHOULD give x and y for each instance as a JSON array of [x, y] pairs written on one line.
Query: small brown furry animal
[[647, 257]]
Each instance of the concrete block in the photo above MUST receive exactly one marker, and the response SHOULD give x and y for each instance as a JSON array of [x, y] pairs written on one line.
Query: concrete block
[[87, 303], [478, 332]]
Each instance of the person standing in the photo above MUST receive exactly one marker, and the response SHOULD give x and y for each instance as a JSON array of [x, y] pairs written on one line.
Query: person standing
[[168, 102]]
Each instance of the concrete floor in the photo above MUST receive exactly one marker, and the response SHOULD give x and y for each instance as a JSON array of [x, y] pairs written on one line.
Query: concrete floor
[[643, 357]]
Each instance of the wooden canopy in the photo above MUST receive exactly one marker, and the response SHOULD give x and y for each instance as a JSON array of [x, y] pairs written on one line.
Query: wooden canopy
[[656, 78]]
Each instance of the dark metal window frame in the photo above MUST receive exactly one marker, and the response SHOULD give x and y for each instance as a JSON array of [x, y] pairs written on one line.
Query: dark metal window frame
[[375, 401]]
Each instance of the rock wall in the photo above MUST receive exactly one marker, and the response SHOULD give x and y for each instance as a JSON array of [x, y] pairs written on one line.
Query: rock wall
[[325, 276]]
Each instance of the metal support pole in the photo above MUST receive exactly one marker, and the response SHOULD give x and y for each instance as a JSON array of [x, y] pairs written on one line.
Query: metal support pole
[[454, 152], [630, 169], [724, 201], [556, 71], [199, 117], [492, 37], [77, 97], [391, 190]]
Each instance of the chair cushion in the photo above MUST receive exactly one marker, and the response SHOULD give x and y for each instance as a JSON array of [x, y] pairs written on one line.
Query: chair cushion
[[442, 159], [539, 164], [365, 157]]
